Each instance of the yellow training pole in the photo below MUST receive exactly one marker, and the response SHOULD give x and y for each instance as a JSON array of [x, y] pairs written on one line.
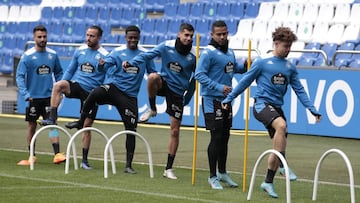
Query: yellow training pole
[[246, 120], [196, 114]]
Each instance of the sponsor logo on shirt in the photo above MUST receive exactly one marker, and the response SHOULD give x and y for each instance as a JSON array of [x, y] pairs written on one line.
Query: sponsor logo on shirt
[[278, 79], [43, 70], [229, 67], [175, 67], [87, 67], [132, 70]]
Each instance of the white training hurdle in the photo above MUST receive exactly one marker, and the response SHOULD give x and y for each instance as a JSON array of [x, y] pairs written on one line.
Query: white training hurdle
[[348, 164], [286, 167], [71, 142], [108, 145], [33, 139]]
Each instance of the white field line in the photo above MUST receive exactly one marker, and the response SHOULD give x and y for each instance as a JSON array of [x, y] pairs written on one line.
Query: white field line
[[202, 169], [108, 188]]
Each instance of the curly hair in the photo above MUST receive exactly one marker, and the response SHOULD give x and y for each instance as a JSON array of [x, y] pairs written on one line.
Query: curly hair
[[284, 34]]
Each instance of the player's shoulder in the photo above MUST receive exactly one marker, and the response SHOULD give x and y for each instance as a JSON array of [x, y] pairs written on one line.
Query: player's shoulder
[[52, 51], [30, 51], [120, 48], [103, 51]]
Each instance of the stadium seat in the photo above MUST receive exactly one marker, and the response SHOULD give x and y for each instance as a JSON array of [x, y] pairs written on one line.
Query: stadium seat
[[311, 12], [196, 11], [354, 14], [170, 10], [298, 45], [155, 5], [126, 17], [329, 49], [251, 10], [237, 10], [111, 39], [115, 17], [14, 12], [147, 27], [139, 14], [96, 3], [292, 25], [161, 26], [232, 25], [183, 11], [223, 11], [272, 25], [308, 58], [202, 27], [4, 12], [320, 32], [149, 39], [244, 28], [305, 62], [46, 15], [259, 29], [281, 12], [7, 65], [11, 28], [266, 11], [352, 33], [58, 14], [342, 60], [342, 13], [55, 32], [80, 14], [210, 11], [264, 45], [236, 42], [335, 33], [173, 28], [326, 13], [69, 14], [305, 31], [104, 15], [91, 15], [354, 64], [296, 11]]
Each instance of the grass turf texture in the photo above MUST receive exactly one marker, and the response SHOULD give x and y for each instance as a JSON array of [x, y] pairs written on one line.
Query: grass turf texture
[[48, 182]]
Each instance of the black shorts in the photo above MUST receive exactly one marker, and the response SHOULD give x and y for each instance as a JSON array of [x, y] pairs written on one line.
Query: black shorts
[[127, 106], [267, 115], [77, 92], [220, 118], [174, 102], [37, 108]]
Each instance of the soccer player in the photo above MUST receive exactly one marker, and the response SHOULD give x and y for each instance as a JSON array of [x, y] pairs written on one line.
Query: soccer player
[[34, 77], [121, 87], [174, 82], [79, 79], [216, 68], [273, 75]]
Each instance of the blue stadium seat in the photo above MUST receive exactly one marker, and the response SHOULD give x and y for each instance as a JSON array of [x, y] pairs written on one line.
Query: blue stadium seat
[[308, 59], [58, 14], [139, 14], [355, 64], [196, 11], [155, 5], [342, 60], [111, 39], [232, 25], [237, 10], [223, 11], [147, 27], [80, 14], [202, 27], [115, 17], [170, 11], [104, 15], [55, 32], [210, 10], [69, 14], [161, 26], [91, 15], [149, 39], [7, 64], [251, 10], [173, 28], [329, 49], [306, 62], [183, 11], [96, 3], [127, 16], [46, 15]]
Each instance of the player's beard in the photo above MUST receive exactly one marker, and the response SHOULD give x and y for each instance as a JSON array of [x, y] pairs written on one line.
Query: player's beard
[[42, 44]]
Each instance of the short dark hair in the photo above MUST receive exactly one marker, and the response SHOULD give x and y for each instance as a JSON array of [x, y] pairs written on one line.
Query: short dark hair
[[284, 34], [218, 23], [40, 28], [186, 26], [133, 28], [100, 31]]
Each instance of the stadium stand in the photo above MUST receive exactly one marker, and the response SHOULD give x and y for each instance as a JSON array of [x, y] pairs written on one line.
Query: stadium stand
[[320, 22]]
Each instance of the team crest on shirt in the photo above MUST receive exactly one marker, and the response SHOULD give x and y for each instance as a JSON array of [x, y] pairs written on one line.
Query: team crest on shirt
[[278, 79], [229, 67], [43, 70], [87, 67], [175, 67]]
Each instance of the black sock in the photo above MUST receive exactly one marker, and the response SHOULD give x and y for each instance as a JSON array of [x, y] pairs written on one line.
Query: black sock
[[85, 155], [170, 161], [129, 158], [152, 103], [56, 147], [270, 176]]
